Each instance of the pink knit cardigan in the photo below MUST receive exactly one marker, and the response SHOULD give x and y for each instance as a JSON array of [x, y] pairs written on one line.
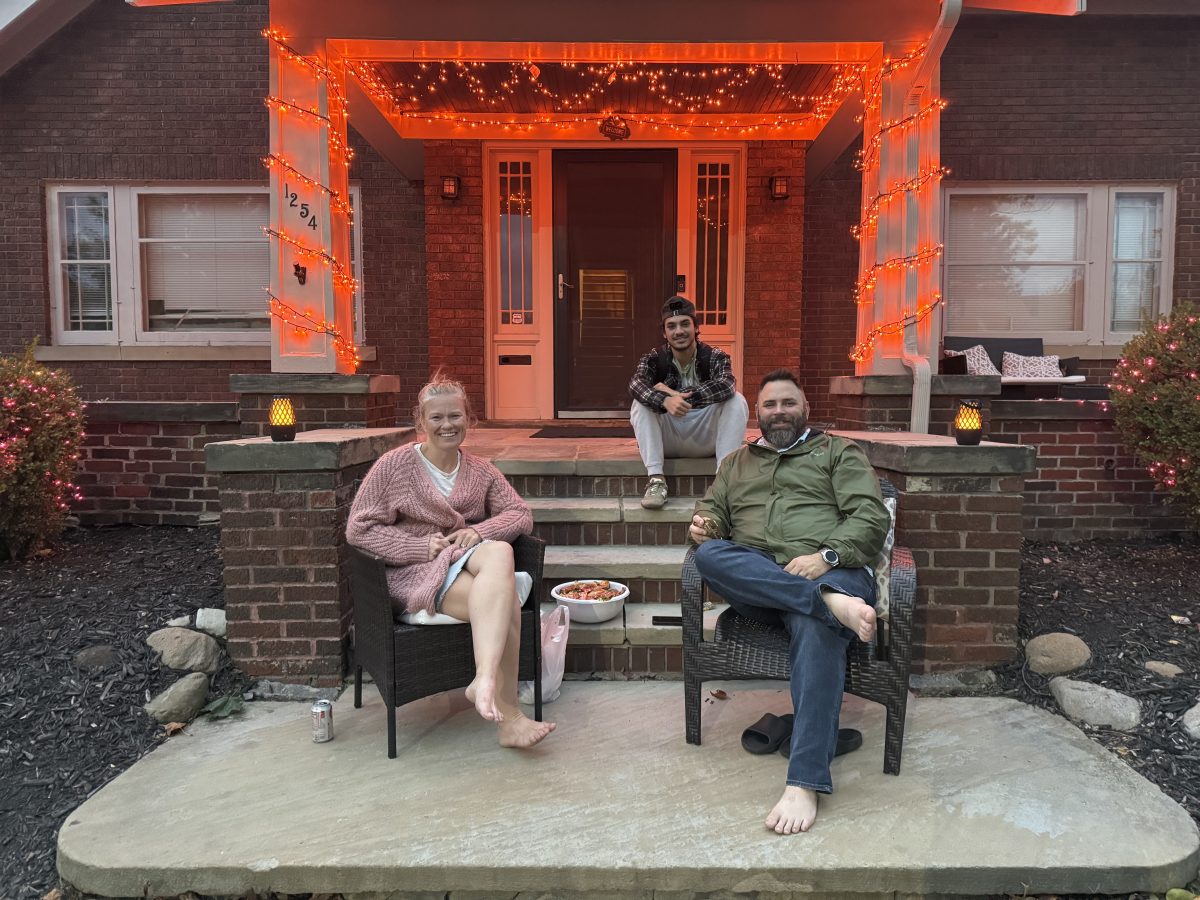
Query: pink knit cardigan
[[398, 507]]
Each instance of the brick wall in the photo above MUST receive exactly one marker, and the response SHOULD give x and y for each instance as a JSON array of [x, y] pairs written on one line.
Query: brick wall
[[965, 537], [454, 257], [828, 314], [143, 463], [287, 574], [320, 411], [175, 95], [1087, 485], [774, 263]]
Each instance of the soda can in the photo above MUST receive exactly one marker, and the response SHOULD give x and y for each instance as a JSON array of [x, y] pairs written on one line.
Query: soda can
[[322, 721]]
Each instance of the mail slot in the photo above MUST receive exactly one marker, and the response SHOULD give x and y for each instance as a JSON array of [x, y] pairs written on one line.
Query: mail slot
[[516, 360]]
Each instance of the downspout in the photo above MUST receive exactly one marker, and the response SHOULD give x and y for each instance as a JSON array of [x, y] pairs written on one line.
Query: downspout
[[912, 358]]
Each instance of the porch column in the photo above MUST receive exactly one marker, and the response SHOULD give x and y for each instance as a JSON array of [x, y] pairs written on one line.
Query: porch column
[[311, 280], [899, 247]]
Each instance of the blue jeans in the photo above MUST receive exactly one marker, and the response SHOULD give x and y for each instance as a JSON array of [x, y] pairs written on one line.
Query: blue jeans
[[759, 589]]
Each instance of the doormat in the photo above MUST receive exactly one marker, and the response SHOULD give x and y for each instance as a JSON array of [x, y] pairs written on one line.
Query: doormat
[[584, 431]]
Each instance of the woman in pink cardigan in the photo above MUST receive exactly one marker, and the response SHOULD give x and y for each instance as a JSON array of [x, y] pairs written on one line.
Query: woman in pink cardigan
[[441, 519]]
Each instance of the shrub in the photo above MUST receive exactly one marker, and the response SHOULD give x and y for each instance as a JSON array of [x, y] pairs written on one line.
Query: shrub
[[1156, 398], [41, 431]]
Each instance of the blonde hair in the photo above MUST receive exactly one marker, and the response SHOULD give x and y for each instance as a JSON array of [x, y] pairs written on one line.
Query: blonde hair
[[441, 386]]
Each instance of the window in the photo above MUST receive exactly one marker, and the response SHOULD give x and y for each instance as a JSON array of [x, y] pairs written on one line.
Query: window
[[515, 227], [163, 265], [713, 206], [1073, 265]]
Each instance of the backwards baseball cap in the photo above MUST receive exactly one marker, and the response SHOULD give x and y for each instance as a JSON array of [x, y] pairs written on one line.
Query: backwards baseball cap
[[679, 306]]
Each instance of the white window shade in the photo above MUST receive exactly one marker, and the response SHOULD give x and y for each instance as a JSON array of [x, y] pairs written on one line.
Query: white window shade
[[1137, 259], [204, 261], [85, 259]]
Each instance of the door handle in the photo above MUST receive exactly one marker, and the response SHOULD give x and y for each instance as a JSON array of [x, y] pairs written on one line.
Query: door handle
[[562, 283]]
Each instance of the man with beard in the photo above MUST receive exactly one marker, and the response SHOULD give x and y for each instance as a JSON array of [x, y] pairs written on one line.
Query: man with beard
[[684, 401], [787, 534]]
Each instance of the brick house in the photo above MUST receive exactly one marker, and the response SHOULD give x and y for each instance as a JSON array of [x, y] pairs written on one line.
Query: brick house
[[503, 195]]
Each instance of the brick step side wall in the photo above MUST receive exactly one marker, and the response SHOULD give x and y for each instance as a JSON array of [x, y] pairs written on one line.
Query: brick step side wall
[[597, 533], [630, 486]]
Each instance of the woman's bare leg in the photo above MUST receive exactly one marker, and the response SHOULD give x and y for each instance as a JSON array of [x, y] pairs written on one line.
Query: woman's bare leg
[[484, 594]]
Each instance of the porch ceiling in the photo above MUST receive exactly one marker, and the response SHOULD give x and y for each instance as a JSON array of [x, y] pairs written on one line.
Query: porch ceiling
[[624, 88]]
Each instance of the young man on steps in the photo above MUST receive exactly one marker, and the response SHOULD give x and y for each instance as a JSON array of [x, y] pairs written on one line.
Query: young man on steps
[[684, 400]]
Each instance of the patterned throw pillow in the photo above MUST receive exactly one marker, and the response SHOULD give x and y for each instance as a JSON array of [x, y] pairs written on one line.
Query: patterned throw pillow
[[1017, 366], [883, 569], [978, 361]]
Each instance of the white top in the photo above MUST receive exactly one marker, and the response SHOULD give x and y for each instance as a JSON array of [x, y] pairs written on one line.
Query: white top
[[444, 481]]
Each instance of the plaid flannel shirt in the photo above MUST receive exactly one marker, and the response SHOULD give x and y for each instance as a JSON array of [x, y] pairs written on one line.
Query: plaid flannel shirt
[[719, 387]]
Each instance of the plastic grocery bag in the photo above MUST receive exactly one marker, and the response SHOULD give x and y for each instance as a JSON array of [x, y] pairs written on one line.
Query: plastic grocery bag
[[556, 624]]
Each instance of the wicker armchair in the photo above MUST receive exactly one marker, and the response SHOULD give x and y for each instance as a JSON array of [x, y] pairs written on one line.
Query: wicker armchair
[[409, 662], [743, 650]]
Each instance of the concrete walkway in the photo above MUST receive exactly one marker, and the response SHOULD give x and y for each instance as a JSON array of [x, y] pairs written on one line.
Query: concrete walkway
[[994, 797]]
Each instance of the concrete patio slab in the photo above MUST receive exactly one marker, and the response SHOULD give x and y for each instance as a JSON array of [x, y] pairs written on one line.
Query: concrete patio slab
[[995, 797]]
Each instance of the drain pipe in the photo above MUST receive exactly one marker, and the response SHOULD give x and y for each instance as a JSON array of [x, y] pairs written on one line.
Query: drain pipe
[[922, 372]]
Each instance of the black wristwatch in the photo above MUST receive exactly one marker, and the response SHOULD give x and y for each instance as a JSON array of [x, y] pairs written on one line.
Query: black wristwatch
[[830, 556]]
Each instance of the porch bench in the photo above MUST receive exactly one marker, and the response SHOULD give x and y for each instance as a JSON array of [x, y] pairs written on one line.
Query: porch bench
[[408, 662], [1012, 387], [744, 650]]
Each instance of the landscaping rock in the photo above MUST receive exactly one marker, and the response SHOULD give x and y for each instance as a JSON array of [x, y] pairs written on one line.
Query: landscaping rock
[[211, 621], [1054, 654], [180, 622], [1165, 669], [1191, 722], [277, 690], [102, 656], [1095, 705], [181, 701], [186, 650]]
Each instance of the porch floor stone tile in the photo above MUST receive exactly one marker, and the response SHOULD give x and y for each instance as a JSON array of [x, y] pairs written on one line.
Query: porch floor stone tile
[[994, 797]]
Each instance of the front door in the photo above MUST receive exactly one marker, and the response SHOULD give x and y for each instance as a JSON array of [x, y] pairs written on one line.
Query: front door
[[614, 266]]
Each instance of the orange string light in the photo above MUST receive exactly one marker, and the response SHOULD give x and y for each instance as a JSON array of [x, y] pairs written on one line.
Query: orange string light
[[867, 156], [860, 351], [870, 214], [336, 201], [866, 284], [306, 323]]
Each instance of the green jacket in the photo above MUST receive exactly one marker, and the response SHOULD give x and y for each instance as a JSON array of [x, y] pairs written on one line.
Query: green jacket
[[821, 493]]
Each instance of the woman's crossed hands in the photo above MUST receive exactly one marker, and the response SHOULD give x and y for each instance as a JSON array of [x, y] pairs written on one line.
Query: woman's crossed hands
[[464, 538]]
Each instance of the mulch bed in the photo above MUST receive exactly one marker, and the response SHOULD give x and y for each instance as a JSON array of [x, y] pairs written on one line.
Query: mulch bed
[[66, 733], [1119, 598]]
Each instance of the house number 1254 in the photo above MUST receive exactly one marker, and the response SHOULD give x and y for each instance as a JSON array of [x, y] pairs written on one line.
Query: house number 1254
[[302, 209]]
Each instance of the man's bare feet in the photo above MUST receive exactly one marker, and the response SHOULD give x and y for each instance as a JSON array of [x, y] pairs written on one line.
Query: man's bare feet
[[482, 692], [795, 812], [517, 730], [853, 612]]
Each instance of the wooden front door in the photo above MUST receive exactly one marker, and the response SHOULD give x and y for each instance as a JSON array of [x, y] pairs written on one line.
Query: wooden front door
[[614, 266]]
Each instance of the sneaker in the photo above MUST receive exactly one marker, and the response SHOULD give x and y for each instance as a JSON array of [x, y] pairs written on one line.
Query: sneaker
[[656, 494]]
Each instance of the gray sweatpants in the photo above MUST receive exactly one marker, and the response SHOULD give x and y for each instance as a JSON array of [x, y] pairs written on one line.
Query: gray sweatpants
[[715, 430]]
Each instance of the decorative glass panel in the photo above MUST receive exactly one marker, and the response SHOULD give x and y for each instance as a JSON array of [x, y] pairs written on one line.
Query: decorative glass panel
[[1015, 263], [516, 242], [205, 261], [711, 294], [1136, 260], [86, 261]]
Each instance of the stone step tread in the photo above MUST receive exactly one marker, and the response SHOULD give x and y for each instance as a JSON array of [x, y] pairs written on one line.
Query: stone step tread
[[618, 561], [635, 626], [608, 509]]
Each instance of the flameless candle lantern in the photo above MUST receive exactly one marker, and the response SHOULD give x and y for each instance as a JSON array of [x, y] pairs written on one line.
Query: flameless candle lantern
[[283, 419], [968, 423]]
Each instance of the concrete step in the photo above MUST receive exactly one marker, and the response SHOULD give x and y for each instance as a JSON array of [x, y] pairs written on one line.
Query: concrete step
[[621, 562], [608, 509]]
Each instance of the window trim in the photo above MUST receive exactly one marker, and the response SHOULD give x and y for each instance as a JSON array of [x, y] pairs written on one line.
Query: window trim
[[1100, 198], [128, 308]]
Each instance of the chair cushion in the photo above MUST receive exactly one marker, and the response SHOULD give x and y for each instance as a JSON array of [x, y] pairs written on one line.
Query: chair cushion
[[883, 568], [1017, 366], [421, 617]]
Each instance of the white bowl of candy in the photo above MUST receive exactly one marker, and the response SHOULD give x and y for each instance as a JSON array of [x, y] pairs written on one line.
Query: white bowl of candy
[[591, 599]]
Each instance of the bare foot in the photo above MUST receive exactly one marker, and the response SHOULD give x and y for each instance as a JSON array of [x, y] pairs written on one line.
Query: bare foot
[[853, 612], [520, 731], [482, 692], [795, 812]]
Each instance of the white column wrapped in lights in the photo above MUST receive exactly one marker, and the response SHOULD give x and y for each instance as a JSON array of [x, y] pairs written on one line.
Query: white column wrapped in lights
[[311, 291]]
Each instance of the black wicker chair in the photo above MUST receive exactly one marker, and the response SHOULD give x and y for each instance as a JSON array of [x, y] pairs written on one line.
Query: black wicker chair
[[743, 650], [409, 662]]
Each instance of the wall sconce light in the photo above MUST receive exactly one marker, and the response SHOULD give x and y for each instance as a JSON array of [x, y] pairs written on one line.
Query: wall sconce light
[[450, 187], [968, 423], [283, 419], [779, 187]]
